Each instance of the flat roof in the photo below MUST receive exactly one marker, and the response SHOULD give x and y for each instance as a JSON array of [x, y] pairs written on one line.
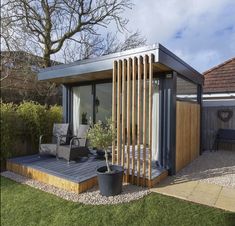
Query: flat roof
[[101, 67]]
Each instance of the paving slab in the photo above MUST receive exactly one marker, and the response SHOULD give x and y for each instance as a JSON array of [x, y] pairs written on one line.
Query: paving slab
[[209, 180]]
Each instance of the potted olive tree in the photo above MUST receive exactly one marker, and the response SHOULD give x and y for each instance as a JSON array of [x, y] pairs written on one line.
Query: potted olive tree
[[109, 176]]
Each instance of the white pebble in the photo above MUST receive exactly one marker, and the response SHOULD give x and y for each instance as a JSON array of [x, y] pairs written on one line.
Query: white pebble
[[92, 196]]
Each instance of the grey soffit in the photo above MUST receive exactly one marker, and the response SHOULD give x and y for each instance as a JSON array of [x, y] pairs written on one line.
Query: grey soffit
[[105, 63]]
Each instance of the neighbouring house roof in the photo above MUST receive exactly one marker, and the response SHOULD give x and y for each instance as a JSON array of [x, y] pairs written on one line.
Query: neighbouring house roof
[[101, 67], [221, 78]]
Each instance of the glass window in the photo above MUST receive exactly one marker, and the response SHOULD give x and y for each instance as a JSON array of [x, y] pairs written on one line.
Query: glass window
[[186, 90], [103, 102], [82, 106], [85, 106]]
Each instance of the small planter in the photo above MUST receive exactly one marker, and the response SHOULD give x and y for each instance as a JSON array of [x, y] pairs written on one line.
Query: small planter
[[110, 184]]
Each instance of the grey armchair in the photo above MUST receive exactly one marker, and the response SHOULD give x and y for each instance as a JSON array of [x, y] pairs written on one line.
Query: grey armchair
[[77, 146], [59, 136]]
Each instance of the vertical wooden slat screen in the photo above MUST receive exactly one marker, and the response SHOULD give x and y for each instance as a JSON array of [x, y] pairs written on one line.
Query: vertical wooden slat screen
[[132, 116]]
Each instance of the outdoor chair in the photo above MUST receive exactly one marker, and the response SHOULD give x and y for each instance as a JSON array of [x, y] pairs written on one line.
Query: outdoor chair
[[59, 137], [77, 147], [224, 136]]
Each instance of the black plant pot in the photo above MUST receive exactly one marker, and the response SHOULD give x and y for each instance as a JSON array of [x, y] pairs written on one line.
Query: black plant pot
[[110, 184]]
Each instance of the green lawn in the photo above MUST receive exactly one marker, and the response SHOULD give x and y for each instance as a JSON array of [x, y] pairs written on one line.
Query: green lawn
[[23, 205]]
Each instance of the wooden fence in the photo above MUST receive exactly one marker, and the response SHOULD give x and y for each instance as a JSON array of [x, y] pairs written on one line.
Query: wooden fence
[[211, 123]]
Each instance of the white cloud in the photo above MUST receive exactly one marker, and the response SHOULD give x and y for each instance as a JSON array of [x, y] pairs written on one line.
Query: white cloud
[[202, 32]]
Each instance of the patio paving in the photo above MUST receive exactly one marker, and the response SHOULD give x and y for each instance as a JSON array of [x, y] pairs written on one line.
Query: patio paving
[[209, 180]]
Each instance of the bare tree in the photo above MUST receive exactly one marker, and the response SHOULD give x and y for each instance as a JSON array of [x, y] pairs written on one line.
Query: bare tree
[[93, 45], [19, 79], [51, 27], [130, 41], [49, 24]]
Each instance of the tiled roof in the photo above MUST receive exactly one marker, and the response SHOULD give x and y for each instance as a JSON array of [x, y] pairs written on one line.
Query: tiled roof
[[220, 79]]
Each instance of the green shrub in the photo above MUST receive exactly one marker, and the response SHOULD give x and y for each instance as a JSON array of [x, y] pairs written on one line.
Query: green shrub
[[55, 114], [27, 122], [33, 116]]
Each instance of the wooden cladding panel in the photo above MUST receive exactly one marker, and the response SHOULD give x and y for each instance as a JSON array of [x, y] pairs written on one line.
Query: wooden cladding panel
[[132, 96], [187, 133]]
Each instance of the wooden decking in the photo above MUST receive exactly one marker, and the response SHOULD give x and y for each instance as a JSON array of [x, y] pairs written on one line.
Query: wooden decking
[[76, 176]]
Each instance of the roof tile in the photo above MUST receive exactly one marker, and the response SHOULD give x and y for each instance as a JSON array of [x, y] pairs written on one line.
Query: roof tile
[[220, 78]]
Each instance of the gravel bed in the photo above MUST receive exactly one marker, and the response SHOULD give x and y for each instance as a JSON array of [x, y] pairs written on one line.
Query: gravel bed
[[92, 196], [129, 193], [211, 167]]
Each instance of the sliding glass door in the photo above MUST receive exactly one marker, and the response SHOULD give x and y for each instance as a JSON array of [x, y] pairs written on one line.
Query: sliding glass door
[[91, 103]]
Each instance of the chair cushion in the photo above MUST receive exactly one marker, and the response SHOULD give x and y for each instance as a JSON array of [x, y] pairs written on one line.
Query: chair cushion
[[48, 149], [64, 152], [82, 131]]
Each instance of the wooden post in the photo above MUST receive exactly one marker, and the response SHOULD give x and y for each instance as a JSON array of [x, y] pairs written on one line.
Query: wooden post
[[119, 111], [129, 64], [150, 117], [144, 116], [114, 107], [124, 64], [134, 68], [139, 117]]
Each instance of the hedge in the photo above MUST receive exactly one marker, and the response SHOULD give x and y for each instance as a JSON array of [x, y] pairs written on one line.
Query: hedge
[[26, 121]]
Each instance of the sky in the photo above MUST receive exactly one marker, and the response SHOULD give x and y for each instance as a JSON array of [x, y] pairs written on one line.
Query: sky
[[200, 32]]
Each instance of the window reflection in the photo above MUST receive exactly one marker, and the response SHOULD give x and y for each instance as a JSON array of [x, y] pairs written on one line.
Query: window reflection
[[186, 90], [103, 102]]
